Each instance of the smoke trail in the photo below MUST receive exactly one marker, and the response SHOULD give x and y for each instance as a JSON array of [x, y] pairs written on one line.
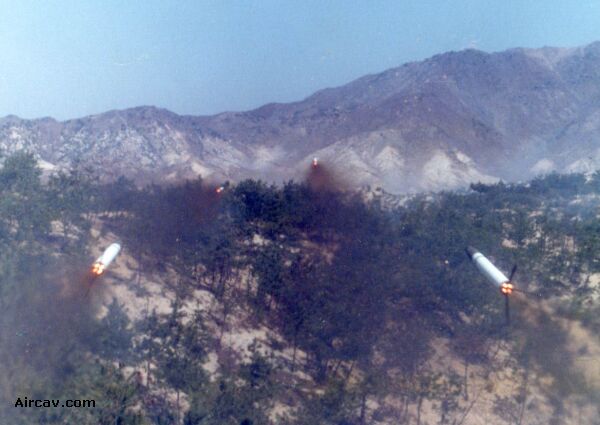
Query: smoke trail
[[48, 330], [321, 178], [559, 348]]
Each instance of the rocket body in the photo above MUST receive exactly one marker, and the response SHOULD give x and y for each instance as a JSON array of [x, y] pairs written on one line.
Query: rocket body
[[107, 257], [495, 276]]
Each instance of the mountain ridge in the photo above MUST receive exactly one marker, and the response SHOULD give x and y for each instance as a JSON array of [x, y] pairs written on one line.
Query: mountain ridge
[[441, 123]]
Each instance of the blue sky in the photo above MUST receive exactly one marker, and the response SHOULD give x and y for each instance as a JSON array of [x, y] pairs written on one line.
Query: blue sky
[[72, 58]]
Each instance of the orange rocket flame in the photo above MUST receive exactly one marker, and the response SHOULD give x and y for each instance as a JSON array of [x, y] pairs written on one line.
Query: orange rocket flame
[[315, 162], [219, 189], [507, 288], [98, 269]]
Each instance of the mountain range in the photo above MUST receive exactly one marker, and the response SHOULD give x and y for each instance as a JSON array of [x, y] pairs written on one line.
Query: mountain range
[[441, 123]]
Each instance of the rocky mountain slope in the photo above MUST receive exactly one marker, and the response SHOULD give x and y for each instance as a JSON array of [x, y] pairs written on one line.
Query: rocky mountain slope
[[441, 123]]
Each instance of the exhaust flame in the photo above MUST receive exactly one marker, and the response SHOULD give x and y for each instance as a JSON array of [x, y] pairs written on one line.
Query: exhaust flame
[[98, 268], [507, 288]]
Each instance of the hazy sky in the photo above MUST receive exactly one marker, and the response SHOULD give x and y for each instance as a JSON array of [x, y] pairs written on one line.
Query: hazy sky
[[72, 58]]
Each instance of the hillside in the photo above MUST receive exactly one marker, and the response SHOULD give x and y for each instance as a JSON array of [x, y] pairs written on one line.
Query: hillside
[[297, 305], [441, 123]]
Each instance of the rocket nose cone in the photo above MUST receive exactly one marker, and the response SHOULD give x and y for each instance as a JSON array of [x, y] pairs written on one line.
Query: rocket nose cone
[[471, 251]]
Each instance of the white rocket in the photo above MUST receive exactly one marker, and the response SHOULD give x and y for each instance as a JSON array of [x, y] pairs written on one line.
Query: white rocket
[[107, 257], [495, 276]]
